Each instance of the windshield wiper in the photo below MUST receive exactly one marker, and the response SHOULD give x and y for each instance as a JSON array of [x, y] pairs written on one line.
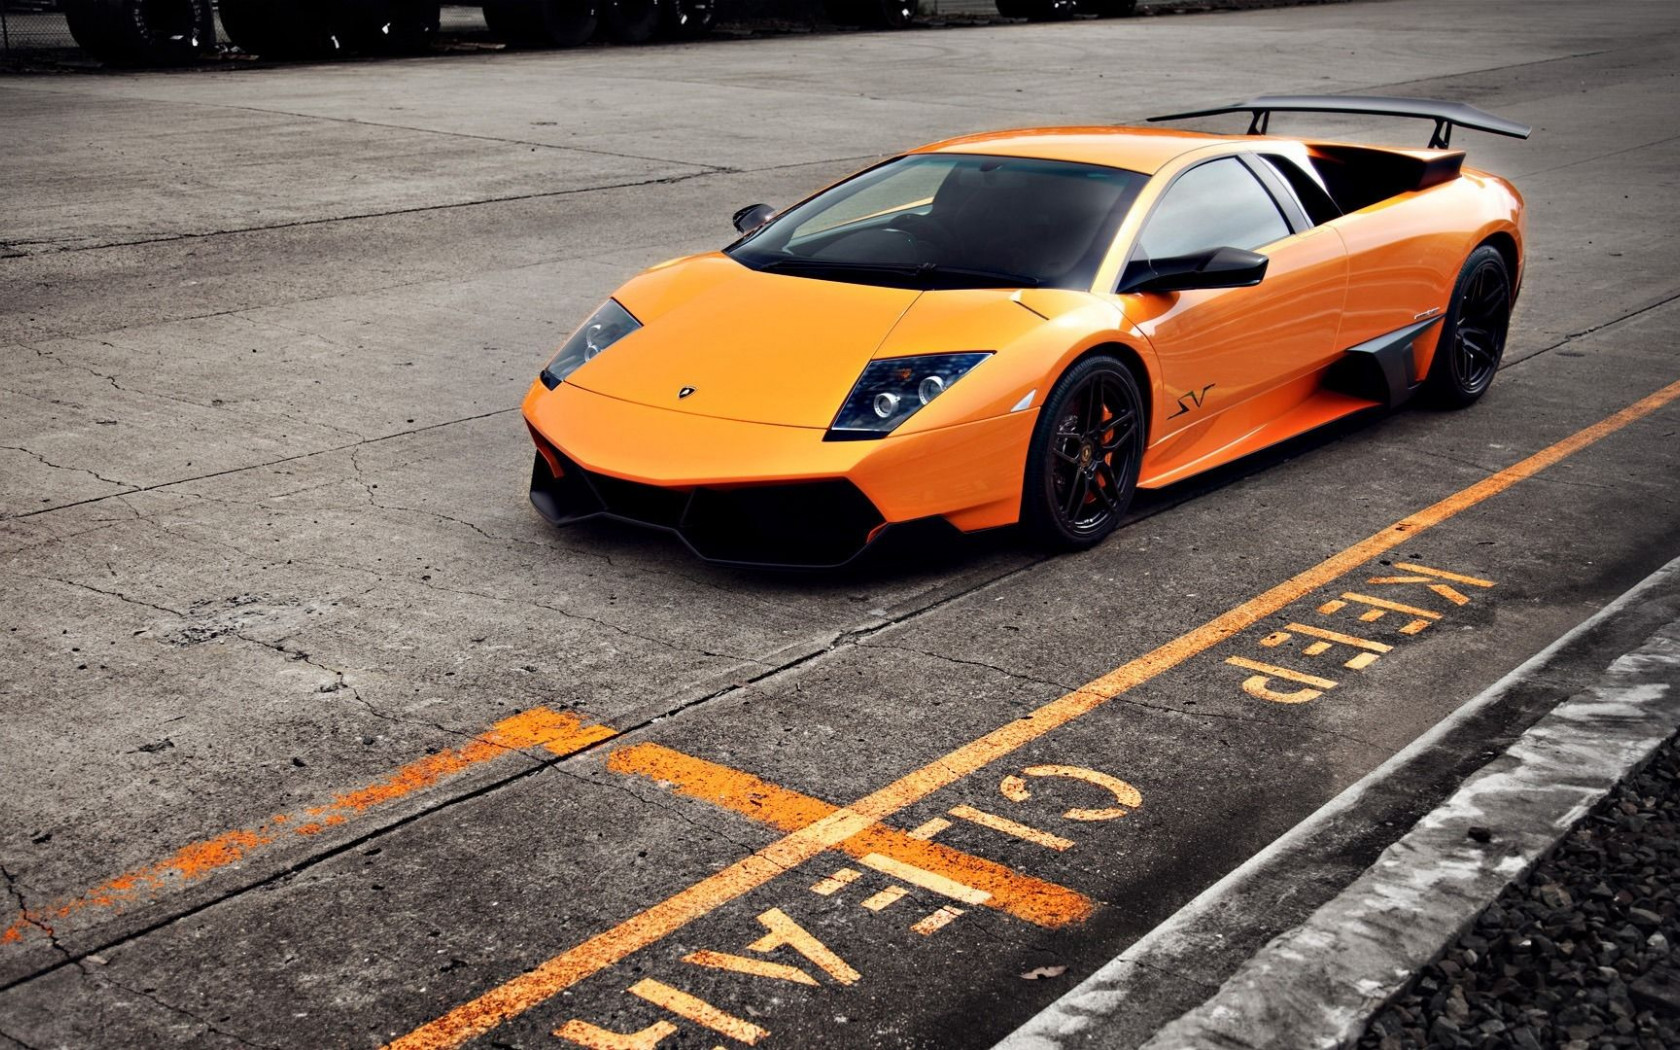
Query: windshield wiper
[[917, 275]]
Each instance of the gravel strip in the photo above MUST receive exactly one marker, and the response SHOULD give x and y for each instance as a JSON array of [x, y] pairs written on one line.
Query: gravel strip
[[1583, 955]]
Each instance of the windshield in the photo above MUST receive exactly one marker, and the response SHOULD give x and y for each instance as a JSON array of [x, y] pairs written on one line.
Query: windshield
[[946, 220]]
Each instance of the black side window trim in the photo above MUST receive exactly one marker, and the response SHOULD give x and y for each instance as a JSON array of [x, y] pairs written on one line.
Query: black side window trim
[[1290, 215], [1282, 195]]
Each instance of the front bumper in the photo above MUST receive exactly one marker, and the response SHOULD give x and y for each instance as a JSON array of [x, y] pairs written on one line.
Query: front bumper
[[752, 493]]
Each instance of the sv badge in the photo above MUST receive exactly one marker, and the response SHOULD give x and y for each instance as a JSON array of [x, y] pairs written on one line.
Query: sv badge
[[1195, 399]]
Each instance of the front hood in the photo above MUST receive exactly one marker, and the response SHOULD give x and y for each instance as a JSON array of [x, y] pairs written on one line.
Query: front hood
[[757, 347]]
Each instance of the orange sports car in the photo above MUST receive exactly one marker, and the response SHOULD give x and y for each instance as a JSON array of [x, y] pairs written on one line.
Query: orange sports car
[[1027, 326]]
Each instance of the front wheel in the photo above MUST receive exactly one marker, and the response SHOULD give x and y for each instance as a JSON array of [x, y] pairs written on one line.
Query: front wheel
[[1472, 339], [1082, 464]]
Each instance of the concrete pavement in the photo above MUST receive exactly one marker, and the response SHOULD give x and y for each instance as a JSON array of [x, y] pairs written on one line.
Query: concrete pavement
[[277, 615]]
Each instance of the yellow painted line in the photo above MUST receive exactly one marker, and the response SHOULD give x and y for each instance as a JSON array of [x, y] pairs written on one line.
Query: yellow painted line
[[942, 868], [886, 898], [1280, 672], [927, 880], [750, 967], [1010, 827], [603, 950], [1339, 637], [937, 921], [558, 732], [697, 1010]]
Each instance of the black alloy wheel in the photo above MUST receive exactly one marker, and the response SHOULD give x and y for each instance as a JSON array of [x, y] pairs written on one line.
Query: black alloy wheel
[[688, 19], [1087, 447], [1472, 339]]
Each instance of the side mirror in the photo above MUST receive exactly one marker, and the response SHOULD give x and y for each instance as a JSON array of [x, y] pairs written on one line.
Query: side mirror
[[752, 217], [1215, 268]]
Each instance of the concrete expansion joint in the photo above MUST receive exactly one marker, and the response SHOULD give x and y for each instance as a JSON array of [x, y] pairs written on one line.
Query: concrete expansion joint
[[682, 813], [963, 662], [151, 997], [1595, 329], [44, 461]]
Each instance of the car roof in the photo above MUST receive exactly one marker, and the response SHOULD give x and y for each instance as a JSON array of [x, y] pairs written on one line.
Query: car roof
[[1144, 150]]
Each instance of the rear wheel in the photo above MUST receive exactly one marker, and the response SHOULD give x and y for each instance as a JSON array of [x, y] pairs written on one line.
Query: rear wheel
[[1082, 464], [689, 19], [1473, 335], [142, 32]]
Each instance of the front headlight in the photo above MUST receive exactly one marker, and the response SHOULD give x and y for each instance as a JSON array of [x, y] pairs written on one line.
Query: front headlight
[[893, 389], [605, 327]]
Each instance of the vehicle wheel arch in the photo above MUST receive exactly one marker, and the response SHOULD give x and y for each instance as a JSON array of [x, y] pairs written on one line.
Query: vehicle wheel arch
[[1505, 243], [1133, 359]]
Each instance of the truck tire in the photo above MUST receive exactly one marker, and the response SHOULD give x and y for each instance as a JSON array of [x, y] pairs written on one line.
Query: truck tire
[[285, 29], [142, 32], [543, 23], [688, 19]]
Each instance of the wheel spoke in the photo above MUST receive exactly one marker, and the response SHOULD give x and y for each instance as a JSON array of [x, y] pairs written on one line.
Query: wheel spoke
[[1078, 488], [1108, 490]]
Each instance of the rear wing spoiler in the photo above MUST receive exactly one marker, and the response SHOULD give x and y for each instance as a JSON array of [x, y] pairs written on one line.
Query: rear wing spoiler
[[1446, 115]]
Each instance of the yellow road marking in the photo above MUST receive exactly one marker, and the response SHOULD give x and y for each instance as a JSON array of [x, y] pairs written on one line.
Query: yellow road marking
[[929, 828], [1281, 672], [1473, 581], [1001, 887], [1338, 637], [1010, 827], [886, 898], [560, 733], [927, 880], [785, 933], [751, 967], [936, 921], [836, 882], [591, 1037], [1015, 789], [601, 951], [697, 1010]]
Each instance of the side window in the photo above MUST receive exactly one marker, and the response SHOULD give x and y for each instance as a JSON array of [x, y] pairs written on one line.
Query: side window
[[1314, 200], [1219, 204]]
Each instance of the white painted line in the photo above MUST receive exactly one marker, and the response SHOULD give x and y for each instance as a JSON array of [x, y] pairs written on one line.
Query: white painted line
[[1625, 727]]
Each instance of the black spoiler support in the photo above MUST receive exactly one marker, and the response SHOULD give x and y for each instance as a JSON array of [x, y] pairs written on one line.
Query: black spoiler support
[[1446, 115]]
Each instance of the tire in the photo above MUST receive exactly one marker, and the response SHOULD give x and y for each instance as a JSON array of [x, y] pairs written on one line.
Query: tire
[[391, 27], [543, 23], [142, 32], [1039, 10], [1472, 339], [631, 21], [285, 29], [688, 19], [887, 14], [1082, 468]]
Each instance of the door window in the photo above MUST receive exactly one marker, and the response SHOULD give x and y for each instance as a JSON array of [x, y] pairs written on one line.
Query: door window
[[1215, 205]]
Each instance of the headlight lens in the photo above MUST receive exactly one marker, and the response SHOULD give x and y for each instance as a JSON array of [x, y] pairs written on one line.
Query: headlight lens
[[605, 327], [894, 389]]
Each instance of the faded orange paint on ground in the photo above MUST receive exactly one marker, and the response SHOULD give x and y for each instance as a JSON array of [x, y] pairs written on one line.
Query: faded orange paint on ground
[[558, 732], [1035, 900], [480, 1015]]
